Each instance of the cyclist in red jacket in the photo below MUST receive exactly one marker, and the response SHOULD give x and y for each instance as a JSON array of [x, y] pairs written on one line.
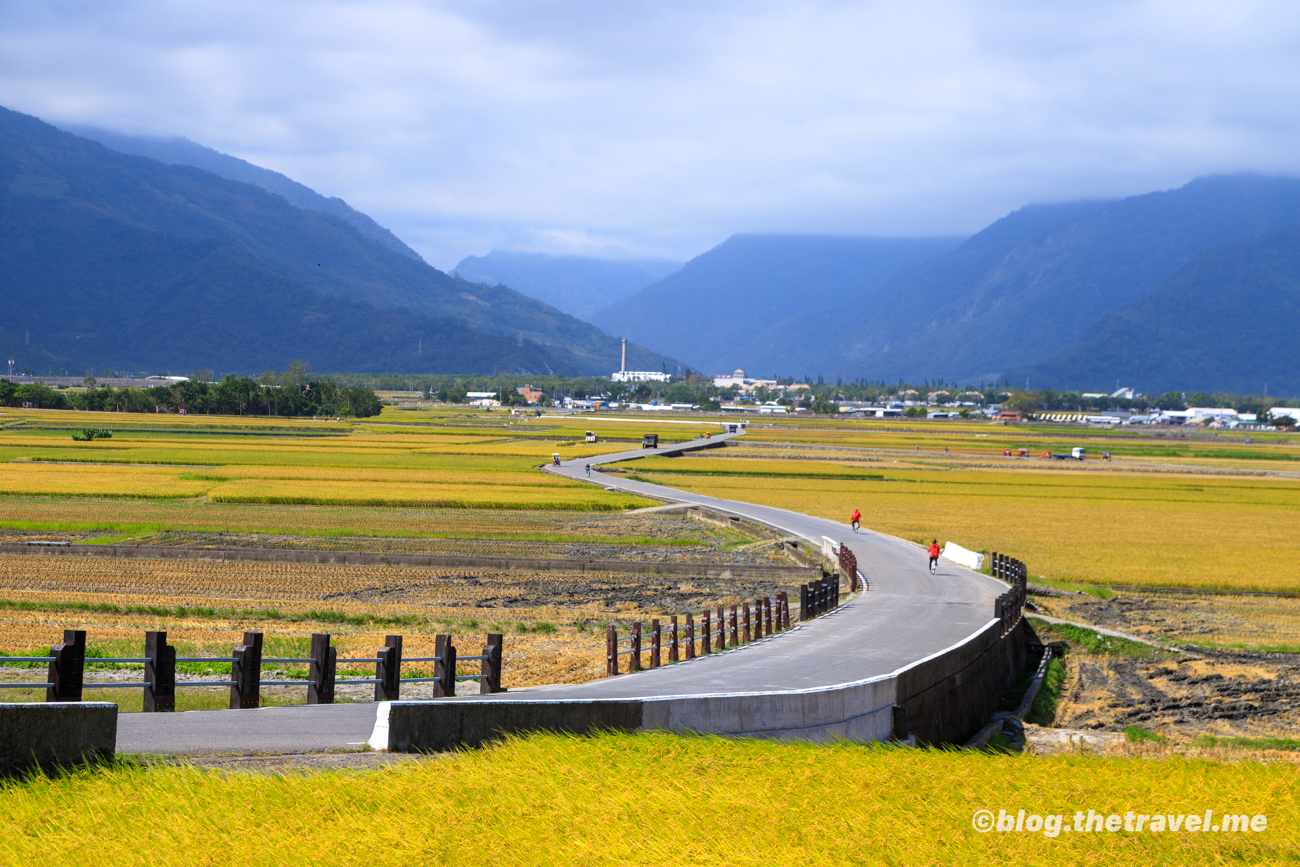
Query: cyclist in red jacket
[[934, 555], [854, 519]]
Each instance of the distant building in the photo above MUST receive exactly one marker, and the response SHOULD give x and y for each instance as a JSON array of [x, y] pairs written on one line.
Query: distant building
[[625, 375], [1126, 394], [639, 376], [482, 398], [738, 380], [532, 395]]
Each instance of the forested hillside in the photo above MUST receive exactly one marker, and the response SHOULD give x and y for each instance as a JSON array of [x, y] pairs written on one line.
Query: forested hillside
[[1227, 321], [122, 261]]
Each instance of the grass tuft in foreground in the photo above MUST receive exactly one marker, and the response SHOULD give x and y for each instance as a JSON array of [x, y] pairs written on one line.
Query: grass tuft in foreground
[[648, 799]]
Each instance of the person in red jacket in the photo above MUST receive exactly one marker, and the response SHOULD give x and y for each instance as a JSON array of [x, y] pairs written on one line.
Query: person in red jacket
[[934, 555], [854, 519]]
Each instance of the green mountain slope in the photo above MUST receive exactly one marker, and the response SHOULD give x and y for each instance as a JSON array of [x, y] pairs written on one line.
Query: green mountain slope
[[42, 167], [100, 291], [185, 152], [1227, 321]]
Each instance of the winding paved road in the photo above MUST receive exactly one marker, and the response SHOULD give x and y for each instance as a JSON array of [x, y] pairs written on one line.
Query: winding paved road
[[907, 615]]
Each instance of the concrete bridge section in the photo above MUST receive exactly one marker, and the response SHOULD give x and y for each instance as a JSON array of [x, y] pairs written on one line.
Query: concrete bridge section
[[917, 656]]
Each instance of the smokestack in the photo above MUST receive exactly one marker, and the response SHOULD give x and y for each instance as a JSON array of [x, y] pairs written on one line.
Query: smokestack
[[622, 368]]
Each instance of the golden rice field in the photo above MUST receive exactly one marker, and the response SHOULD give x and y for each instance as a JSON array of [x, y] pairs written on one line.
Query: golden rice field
[[651, 799], [1173, 508], [1106, 526]]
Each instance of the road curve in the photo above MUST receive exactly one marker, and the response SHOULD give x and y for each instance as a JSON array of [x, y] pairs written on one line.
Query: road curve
[[907, 615]]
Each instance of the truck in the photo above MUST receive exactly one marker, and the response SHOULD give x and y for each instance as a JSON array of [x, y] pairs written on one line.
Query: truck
[[591, 436], [650, 441]]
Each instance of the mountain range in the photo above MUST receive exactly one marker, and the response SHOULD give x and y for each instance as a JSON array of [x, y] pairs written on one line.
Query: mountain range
[[122, 261], [578, 285], [141, 253], [1058, 294], [708, 312]]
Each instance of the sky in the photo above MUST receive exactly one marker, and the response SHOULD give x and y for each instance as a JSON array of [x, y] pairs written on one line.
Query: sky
[[657, 129]]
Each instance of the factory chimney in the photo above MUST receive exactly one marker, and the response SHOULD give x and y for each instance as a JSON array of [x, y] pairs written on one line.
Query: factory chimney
[[623, 365]]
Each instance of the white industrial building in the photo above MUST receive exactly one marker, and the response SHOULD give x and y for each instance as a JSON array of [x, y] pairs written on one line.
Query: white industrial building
[[625, 375]]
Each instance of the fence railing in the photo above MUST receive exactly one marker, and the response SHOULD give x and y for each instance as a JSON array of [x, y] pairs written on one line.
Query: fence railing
[[741, 624], [849, 569], [67, 667], [1010, 606]]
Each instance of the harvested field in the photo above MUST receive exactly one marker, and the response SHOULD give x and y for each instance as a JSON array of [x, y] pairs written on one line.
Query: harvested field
[[554, 620], [1224, 695], [1221, 621]]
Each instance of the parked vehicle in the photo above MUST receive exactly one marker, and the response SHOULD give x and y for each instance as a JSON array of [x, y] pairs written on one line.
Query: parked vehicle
[[650, 441]]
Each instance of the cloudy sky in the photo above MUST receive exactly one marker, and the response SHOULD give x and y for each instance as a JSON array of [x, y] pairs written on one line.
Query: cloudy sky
[[659, 128]]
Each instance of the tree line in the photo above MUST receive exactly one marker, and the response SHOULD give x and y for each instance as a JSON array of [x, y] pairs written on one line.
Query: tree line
[[292, 394]]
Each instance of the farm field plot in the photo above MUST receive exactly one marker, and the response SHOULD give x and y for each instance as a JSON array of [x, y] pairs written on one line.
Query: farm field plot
[[556, 619], [547, 798], [1223, 621], [49, 517], [712, 545], [1102, 527], [433, 467]]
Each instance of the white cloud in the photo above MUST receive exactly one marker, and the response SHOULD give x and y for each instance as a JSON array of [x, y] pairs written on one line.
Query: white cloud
[[660, 128]]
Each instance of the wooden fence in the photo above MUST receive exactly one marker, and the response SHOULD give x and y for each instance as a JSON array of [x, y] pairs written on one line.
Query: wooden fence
[[742, 624], [68, 661], [1010, 606]]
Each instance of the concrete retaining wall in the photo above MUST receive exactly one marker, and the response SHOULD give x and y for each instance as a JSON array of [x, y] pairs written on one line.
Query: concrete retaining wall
[[795, 574], [55, 733], [860, 711], [942, 699], [946, 698]]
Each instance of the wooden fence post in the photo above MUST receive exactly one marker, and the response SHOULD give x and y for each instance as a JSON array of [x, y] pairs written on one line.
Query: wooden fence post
[[721, 643], [445, 668], [388, 669], [159, 673], [767, 614], [611, 650], [246, 673], [67, 667], [748, 635], [491, 668], [690, 634], [672, 646], [321, 672], [706, 642], [804, 613], [635, 664], [655, 643], [734, 637]]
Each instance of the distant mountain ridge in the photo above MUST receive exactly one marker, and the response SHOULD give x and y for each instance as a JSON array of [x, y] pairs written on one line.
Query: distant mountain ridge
[[1010, 300], [709, 312], [1226, 321], [578, 285], [1032, 283], [264, 281], [182, 151]]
